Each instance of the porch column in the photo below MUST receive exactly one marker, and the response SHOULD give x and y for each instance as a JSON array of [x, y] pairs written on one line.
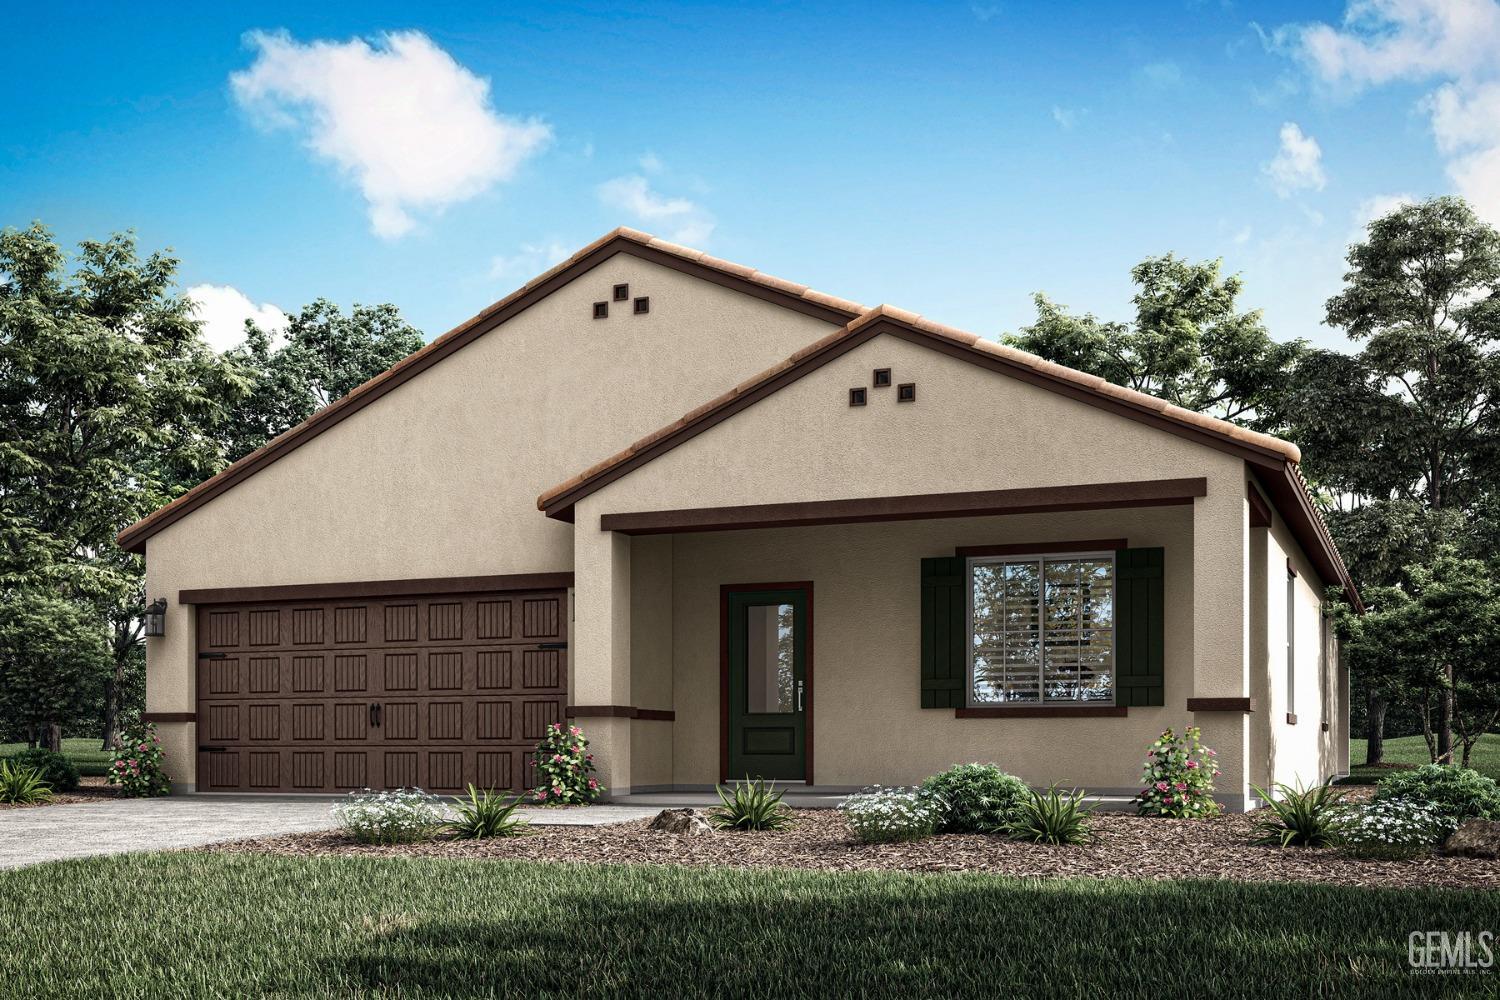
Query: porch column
[[1221, 626], [601, 638]]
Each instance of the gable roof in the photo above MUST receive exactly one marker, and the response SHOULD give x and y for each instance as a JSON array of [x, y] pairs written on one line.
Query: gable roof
[[1274, 459], [634, 242]]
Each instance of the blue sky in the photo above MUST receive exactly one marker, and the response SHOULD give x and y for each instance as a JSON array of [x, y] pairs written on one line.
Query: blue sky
[[949, 158]]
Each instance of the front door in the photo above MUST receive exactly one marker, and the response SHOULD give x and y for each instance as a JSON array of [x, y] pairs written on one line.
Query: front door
[[768, 634]]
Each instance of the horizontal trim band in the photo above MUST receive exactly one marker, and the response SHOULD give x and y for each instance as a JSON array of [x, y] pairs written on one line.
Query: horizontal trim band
[[1221, 704], [1041, 712], [1042, 548], [169, 716], [1091, 496], [619, 712], [377, 588]]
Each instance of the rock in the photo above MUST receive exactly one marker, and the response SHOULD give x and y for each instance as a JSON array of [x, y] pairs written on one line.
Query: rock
[[688, 822], [1475, 838]]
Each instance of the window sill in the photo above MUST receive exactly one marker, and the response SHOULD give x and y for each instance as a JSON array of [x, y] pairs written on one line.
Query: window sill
[[1040, 712]]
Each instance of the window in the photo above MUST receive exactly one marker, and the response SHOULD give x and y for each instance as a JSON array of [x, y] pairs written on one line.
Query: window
[[621, 293], [857, 396], [601, 310], [1041, 628], [1291, 645]]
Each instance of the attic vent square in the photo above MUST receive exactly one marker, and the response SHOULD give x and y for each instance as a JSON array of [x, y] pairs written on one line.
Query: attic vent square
[[857, 396], [906, 392], [622, 292], [642, 305], [601, 310], [882, 378]]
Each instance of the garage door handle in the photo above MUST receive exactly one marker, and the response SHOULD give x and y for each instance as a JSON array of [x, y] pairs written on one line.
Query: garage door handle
[[213, 749], [375, 715], [552, 645], [213, 656]]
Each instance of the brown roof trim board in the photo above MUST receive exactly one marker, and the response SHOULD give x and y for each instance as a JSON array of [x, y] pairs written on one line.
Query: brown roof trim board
[[922, 506], [377, 588], [638, 244], [1274, 460]]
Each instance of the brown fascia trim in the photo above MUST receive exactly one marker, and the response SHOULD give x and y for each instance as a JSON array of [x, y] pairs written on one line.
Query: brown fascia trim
[[1042, 712], [1038, 548], [364, 589], [1221, 705], [1260, 509], [560, 505], [169, 716], [619, 712], [1291, 498], [133, 538], [922, 506]]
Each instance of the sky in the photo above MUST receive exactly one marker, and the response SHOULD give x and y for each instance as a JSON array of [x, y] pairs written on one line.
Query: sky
[[949, 158]]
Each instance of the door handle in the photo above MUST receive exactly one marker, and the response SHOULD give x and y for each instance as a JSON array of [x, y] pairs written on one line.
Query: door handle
[[799, 696], [374, 714]]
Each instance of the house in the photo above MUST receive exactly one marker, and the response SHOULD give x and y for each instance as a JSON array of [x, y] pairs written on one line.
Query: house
[[734, 526]]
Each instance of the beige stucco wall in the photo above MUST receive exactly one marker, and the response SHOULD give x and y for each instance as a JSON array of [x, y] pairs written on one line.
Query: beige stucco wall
[[440, 477], [970, 429]]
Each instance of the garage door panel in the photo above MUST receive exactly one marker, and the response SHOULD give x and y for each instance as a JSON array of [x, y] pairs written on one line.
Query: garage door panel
[[331, 696]]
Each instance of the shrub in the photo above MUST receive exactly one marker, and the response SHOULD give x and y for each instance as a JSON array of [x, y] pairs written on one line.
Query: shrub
[[58, 772], [1459, 793], [563, 768], [399, 817], [1178, 777], [1392, 829], [1302, 817], [883, 815], [135, 764], [977, 798], [1052, 817], [22, 785], [753, 805], [482, 815]]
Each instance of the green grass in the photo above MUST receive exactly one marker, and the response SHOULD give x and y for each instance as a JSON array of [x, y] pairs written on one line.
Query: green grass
[[238, 925], [83, 752], [1413, 750]]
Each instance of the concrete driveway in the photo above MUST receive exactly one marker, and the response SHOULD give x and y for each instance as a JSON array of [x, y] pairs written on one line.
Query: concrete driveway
[[84, 829]]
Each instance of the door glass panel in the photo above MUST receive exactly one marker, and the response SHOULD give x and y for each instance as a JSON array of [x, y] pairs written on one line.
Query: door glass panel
[[768, 657]]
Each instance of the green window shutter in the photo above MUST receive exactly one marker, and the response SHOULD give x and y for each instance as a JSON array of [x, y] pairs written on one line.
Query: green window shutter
[[944, 608], [1139, 627]]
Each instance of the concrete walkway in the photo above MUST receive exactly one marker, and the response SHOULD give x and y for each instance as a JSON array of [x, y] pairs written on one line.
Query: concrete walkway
[[85, 829]]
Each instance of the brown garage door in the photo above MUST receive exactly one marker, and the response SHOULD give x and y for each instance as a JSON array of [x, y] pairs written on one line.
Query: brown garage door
[[328, 696]]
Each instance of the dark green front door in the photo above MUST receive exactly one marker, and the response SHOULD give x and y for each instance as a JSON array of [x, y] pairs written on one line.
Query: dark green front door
[[768, 636]]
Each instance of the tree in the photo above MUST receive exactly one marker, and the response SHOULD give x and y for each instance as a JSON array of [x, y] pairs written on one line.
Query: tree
[[1188, 344], [52, 661], [1419, 444], [111, 405], [325, 355]]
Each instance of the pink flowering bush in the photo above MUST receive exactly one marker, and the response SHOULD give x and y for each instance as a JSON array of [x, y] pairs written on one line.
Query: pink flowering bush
[[1178, 777], [564, 768], [135, 764]]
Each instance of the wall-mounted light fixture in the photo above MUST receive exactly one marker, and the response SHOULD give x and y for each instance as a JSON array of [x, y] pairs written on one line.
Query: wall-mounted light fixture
[[156, 617]]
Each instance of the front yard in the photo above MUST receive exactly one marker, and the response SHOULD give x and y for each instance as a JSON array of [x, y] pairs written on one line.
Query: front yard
[[1412, 750], [214, 924]]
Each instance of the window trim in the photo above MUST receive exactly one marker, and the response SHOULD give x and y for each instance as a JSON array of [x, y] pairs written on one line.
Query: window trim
[[1040, 556]]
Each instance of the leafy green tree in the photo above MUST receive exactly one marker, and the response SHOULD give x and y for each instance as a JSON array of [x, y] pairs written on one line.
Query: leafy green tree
[[53, 660], [111, 405], [324, 356], [1403, 437], [1189, 343]]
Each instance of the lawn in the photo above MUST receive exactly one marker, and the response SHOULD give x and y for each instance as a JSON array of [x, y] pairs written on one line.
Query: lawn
[[1413, 750], [205, 924], [83, 752]]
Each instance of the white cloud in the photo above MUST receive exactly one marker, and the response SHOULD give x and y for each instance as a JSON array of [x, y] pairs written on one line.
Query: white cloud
[[651, 163], [222, 311], [1298, 163], [1243, 236], [530, 260], [414, 129], [1372, 208], [1453, 44], [1066, 118], [682, 220]]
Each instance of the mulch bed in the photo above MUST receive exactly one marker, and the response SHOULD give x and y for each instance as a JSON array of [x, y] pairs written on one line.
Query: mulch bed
[[1127, 847], [88, 790]]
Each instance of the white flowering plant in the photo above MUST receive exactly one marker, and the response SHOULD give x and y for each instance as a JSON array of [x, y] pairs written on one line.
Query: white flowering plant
[[879, 815], [398, 817], [1393, 829]]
